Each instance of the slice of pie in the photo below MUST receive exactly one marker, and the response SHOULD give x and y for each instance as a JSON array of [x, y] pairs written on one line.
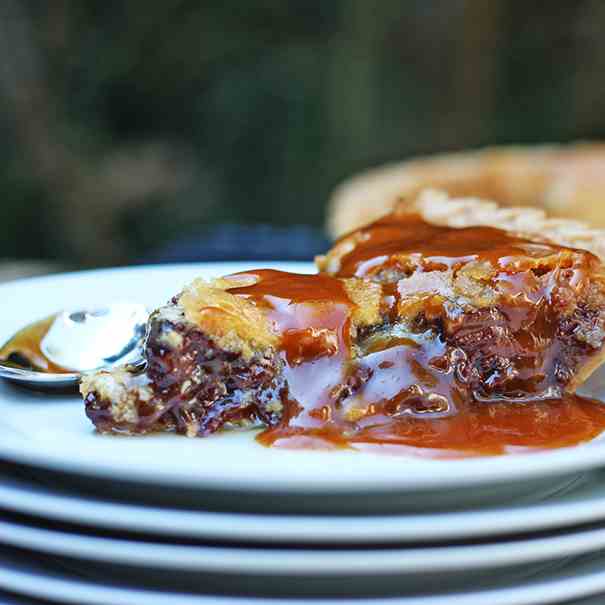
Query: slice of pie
[[447, 326]]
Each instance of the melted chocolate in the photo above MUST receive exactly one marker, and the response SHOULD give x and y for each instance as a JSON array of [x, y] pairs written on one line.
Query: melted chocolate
[[483, 381]]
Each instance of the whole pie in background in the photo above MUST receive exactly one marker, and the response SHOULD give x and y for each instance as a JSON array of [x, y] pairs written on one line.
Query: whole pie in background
[[566, 181]]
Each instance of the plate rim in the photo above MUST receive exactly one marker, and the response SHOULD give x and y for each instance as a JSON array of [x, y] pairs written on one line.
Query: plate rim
[[62, 586], [90, 511], [293, 561]]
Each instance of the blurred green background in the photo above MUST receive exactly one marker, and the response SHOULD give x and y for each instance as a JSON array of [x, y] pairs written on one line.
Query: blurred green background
[[127, 124]]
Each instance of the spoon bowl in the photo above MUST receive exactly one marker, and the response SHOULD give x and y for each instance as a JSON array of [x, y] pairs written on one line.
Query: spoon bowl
[[57, 352]]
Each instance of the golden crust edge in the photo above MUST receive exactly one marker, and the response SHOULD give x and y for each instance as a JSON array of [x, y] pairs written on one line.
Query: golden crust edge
[[238, 325]]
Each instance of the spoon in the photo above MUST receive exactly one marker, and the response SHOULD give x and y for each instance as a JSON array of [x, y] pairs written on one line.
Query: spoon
[[56, 352]]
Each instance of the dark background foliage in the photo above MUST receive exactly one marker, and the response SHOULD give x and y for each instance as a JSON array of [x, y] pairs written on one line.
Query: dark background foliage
[[127, 124]]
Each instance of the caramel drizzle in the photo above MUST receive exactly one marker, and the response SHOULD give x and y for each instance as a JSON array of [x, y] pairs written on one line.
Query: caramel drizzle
[[411, 393], [409, 239]]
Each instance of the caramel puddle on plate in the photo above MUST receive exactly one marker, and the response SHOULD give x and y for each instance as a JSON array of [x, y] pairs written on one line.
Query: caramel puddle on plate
[[478, 429]]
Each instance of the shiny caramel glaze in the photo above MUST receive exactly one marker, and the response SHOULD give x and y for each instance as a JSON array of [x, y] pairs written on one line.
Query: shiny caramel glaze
[[418, 380], [23, 349], [407, 242], [312, 315]]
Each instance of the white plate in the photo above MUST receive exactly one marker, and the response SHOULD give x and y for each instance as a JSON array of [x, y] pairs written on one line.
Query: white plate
[[52, 432], [585, 504], [25, 576], [299, 562]]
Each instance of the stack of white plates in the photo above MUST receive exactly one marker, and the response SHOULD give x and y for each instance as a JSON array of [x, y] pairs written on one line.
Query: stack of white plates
[[89, 519]]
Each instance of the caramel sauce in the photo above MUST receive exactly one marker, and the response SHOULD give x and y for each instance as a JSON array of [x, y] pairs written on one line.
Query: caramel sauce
[[312, 314], [489, 429], [399, 236], [406, 390], [23, 349]]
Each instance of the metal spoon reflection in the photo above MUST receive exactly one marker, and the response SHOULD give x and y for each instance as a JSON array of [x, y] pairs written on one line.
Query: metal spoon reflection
[[54, 353]]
